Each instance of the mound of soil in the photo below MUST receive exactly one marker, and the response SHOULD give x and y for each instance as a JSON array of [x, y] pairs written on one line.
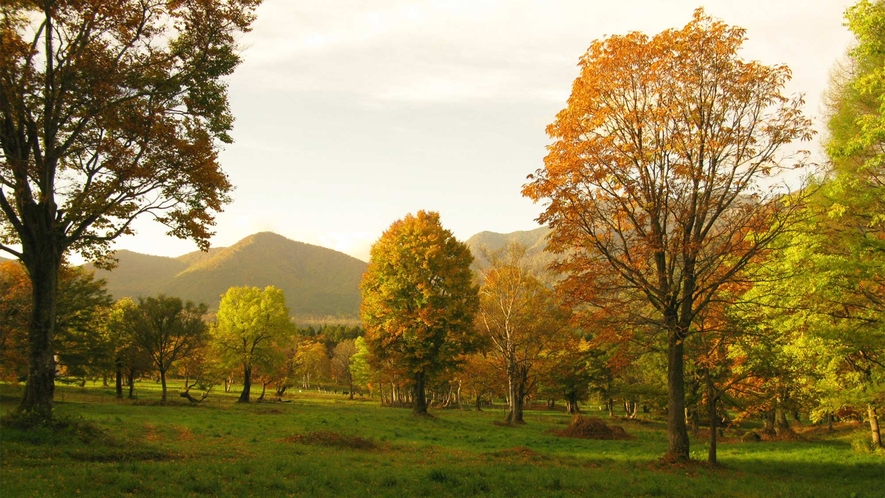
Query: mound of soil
[[334, 439], [592, 428]]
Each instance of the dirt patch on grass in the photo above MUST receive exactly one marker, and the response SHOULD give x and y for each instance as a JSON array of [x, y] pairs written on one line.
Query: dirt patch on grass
[[333, 439], [591, 428], [521, 453], [184, 433], [151, 433]]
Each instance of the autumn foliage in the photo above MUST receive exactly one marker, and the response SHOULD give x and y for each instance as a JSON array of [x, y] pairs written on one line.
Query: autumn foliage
[[652, 183]]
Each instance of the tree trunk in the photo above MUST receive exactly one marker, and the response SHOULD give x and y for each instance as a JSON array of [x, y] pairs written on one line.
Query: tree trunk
[[130, 376], [479, 401], [712, 397], [677, 432], [119, 383], [874, 426], [163, 383], [768, 422], [43, 267], [247, 384], [420, 400], [351, 387], [517, 401], [611, 407], [781, 424]]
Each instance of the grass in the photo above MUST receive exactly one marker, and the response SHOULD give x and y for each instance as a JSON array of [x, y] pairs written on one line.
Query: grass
[[326, 445]]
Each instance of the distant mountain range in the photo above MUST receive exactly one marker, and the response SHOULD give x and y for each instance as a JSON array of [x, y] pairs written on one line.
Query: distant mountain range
[[317, 282]]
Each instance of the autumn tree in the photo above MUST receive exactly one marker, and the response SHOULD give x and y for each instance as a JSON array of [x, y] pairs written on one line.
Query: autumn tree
[[82, 305], [128, 358], [521, 319], [15, 310], [419, 300], [652, 183], [341, 357], [251, 329], [167, 330], [109, 110]]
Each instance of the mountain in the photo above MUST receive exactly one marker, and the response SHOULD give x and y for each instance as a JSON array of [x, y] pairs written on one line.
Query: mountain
[[316, 281], [533, 240]]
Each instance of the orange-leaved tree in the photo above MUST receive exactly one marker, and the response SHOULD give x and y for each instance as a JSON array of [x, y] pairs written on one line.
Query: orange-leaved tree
[[652, 183], [109, 110], [419, 300]]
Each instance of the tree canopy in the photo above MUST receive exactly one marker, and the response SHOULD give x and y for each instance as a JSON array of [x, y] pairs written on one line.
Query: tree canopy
[[109, 110], [652, 183], [419, 300], [252, 326]]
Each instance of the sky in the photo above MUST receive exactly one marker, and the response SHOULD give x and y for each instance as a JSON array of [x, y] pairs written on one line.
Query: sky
[[351, 114]]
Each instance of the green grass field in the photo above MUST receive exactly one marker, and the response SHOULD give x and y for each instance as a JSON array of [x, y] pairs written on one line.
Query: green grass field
[[326, 445]]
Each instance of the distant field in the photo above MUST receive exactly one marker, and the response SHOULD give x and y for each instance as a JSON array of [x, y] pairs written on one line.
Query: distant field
[[326, 445]]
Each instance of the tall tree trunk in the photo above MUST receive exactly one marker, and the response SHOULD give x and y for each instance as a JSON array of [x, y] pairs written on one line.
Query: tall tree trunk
[[163, 383], [874, 426], [247, 384], [351, 387], [515, 384], [517, 401], [712, 397], [130, 376], [43, 267], [119, 381], [677, 431], [478, 401], [420, 399]]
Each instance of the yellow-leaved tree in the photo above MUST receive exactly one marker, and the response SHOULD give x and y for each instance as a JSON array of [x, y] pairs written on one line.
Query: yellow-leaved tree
[[419, 301]]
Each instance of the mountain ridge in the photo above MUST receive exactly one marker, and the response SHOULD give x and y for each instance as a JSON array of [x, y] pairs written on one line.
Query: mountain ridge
[[316, 281]]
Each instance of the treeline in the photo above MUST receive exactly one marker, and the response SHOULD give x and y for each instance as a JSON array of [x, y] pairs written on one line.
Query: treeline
[[251, 339]]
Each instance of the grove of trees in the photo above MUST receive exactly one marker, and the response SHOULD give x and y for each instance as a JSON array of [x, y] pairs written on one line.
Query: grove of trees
[[689, 281]]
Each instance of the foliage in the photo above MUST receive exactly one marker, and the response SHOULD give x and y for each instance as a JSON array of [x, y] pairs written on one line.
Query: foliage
[[652, 181], [521, 319], [108, 111], [419, 299], [82, 305], [166, 329], [251, 330]]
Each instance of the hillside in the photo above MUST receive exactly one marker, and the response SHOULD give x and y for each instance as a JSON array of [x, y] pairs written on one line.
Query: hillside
[[534, 241], [316, 281]]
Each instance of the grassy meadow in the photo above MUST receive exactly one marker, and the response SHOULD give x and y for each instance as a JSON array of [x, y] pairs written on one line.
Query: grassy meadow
[[326, 445]]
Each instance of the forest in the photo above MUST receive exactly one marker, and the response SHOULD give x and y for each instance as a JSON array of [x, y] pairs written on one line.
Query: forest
[[703, 292]]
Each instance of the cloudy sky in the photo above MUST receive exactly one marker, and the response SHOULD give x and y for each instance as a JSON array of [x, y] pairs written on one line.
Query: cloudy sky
[[353, 113]]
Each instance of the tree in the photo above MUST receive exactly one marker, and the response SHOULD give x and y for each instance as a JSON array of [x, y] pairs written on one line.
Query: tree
[[167, 330], [652, 182], [128, 357], [419, 300], [82, 306], [15, 308], [251, 330], [856, 199], [108, 111], [341, 358], [520, 317]]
